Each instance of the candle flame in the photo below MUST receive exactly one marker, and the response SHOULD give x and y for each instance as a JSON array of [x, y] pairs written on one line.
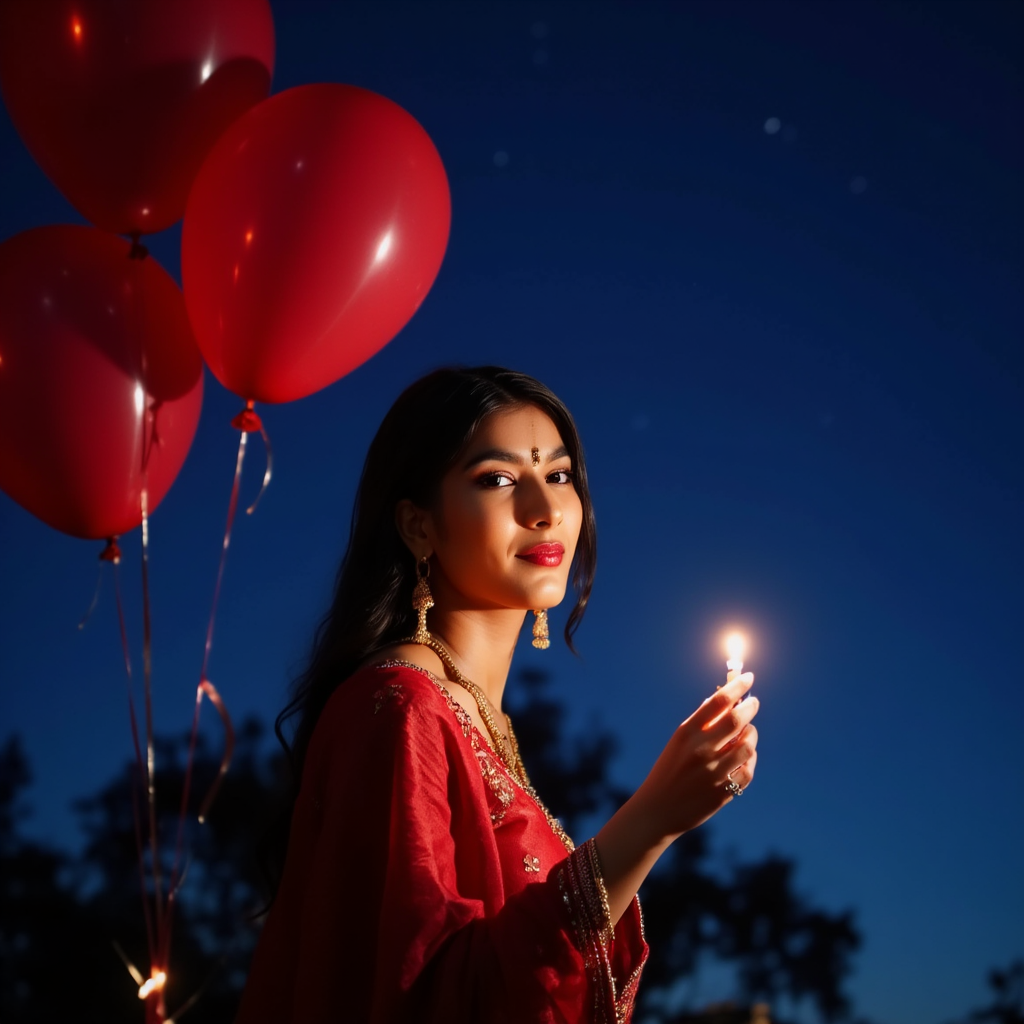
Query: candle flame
[[735, 646]]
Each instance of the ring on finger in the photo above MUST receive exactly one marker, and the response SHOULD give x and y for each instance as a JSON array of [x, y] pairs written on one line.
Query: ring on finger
[[733, 788]]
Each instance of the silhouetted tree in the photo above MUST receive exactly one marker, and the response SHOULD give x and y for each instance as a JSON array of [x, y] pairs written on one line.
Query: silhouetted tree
[[61, 918], [213, 932], [1007, 1006], [50, 943], [571, 775], [684, 907], [753, 918], [781, 945]]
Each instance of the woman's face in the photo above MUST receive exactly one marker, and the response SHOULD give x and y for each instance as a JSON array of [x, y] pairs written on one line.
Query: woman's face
[[504, 531]]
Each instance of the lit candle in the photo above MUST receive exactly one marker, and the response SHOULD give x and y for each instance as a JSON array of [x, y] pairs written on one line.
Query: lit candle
[[735, 648]]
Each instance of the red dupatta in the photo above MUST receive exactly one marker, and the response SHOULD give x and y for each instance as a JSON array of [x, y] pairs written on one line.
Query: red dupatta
[[423, 884]]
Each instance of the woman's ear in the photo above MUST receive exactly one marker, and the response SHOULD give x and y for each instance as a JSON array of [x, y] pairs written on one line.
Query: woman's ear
[[413, 525]]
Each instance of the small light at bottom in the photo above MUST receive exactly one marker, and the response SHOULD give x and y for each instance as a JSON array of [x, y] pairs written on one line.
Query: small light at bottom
[[155, 984]]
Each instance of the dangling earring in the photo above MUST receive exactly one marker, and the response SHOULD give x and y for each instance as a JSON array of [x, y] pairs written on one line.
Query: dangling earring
[[422, 599], [540, 630]]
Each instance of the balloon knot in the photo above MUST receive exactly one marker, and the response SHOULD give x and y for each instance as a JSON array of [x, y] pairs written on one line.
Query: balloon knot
[[111, 553], [248, 420]]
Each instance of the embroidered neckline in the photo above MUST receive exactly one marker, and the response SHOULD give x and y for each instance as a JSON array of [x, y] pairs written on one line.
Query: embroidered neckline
[[593, 943], [487, 758], [460, 712], [453, 704], [498, 781]]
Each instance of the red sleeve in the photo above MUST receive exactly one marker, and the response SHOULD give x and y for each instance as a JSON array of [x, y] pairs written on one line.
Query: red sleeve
[[393, 907]]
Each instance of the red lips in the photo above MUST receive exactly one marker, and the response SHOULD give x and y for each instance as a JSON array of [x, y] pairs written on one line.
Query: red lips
[[544, 554]]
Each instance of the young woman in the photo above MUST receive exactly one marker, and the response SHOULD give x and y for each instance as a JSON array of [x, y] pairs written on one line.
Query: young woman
[[424, 880]]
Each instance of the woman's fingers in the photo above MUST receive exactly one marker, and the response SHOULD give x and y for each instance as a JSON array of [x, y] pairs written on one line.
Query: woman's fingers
[[722, 701], [728, 726], [739, 753], [744, 774], [713, 748]]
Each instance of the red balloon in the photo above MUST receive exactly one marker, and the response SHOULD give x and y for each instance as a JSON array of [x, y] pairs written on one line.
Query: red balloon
[[100, 379], [120, 100], [313, 232]]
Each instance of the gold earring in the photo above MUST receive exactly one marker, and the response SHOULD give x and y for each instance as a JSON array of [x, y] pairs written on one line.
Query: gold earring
[[422, 599], [541, 639]]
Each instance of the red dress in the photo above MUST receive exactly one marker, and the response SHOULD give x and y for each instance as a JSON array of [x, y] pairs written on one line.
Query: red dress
[[424, 885]]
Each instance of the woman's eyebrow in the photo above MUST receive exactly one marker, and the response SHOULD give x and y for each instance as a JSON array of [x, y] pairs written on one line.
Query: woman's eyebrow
[[495, 455], [501, 455]]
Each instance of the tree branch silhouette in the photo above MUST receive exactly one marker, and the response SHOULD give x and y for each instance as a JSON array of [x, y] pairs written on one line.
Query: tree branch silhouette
[[59, 915]]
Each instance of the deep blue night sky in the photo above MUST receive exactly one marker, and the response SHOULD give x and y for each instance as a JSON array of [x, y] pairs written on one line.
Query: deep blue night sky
[[795, 360]]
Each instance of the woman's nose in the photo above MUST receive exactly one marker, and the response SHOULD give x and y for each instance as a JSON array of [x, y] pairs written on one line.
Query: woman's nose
[[543, 509]]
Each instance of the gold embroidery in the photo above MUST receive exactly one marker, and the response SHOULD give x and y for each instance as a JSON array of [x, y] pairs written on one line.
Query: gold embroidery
[[461, 713], [381, 697], [583, 893], [579, 877], [498, 780], [497, 777], [627, 999]]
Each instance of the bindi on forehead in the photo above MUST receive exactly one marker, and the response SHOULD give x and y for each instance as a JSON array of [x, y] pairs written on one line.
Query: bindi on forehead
[[503, 438]]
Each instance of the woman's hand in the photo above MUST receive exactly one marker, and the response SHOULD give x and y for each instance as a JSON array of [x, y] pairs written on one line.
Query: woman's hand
[[716, 745]]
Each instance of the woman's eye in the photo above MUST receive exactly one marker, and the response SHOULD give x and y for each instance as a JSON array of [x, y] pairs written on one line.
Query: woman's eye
[[561, 476], [492, 480]]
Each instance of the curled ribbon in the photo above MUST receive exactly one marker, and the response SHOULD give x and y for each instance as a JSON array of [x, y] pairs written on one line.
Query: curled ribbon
[[248, 421], [229, 746]]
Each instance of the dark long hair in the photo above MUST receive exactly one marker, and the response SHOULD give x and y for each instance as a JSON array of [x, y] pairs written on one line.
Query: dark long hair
[[420, 439]]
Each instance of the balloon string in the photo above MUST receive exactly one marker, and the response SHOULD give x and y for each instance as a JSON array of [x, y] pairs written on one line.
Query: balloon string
[[175, 887], [95, 600], [205, 687], [111, 553], [232, 507], [229, 746], [156, 1009], [248, 421], [165, 933], [269, 471], [137, 254], [199, 992], [147, 676], [139, 773]]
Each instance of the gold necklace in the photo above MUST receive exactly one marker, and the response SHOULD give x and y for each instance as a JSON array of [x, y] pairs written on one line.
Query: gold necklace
[[507, 750]]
